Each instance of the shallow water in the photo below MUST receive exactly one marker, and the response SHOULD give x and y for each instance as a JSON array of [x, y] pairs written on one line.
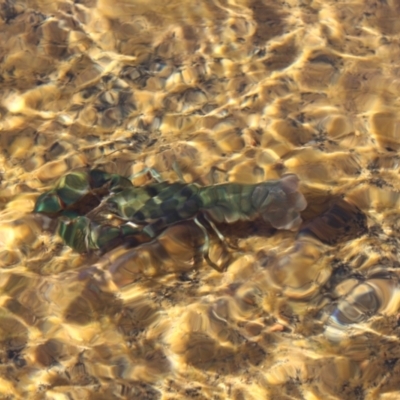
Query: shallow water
[[257, 89]]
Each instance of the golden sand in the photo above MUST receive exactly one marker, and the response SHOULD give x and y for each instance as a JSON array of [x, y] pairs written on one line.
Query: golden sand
[[256, 88]]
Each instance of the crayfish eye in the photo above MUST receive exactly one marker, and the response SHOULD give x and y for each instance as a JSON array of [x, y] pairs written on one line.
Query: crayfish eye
[[48, 203]]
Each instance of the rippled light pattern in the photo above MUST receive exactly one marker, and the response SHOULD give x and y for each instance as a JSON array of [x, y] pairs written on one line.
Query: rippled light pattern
[[229, 92]]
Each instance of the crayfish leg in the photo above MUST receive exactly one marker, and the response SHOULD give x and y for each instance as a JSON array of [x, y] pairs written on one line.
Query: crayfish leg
[[206, 246], [221, 237]]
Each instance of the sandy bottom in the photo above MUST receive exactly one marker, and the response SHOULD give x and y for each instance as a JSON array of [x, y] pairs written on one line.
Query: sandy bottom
[[254, 88]]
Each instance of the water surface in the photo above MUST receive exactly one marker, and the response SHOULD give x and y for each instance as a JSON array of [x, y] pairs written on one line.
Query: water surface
[[257, 89]]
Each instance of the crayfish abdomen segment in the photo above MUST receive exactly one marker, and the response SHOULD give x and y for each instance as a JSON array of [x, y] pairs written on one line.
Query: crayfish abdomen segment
[[278, 202]]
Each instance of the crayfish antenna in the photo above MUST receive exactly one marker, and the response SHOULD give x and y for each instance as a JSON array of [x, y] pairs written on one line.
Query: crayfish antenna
[[154, 174]]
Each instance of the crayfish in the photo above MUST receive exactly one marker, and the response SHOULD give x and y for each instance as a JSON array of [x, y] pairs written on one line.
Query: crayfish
[[98, 210]]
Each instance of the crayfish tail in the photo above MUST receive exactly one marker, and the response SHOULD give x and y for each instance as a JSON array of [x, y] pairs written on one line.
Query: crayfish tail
[[285, 205], [289, 183]]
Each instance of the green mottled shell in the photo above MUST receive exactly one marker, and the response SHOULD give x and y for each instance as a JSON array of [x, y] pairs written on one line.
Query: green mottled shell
[[82, 234], [228, 202], [48, 203], [115, 182], [74, 232], [68, 191], [72, 187], [98, 208], [157, 205], [172, 202]]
